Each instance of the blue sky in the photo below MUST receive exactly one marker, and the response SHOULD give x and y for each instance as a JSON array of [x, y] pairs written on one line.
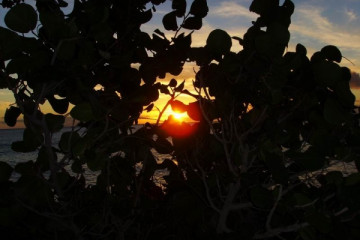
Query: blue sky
[[315, 23]]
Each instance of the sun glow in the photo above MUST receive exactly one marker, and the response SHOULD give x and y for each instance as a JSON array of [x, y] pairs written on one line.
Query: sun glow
[[179, 116]]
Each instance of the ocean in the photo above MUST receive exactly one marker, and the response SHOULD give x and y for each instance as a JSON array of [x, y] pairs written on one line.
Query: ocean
[[8, 136]]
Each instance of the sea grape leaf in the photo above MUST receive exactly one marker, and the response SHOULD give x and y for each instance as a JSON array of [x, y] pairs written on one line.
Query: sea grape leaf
[[157, 2], [218, 41], [261, 197], [300, 49], [344, 94], [169, 21], [334, 112], [279, 33], [163, 146], [327, 73], [59, 105], [32, 138], [54, 122], [149, 108], [178, 106], [82, 112], [332, 53], [5, 171], [10, 43], [194, 112], [260, 6], [346, 74], [21, 18], [199, 8], [277, 168], [144, 17], [193, 23], [172, 83], [179, 6], [180, 87], [21, 146], [319, 221], [11, 116], [44, 156], [68, 140]]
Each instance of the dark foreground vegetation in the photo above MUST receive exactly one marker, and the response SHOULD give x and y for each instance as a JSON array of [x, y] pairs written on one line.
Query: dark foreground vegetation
[[253, 166]]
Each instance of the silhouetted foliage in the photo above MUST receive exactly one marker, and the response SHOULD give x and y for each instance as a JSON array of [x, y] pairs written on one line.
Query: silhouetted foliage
[[254, 165]]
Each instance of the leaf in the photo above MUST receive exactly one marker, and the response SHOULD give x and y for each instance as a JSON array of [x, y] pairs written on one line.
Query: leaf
[[334, 112], [332, 53], [163, 146], [327, 73], [172, 83], [180, 87], [21, 146], [183, 42], [319, 221], [149, 108], [21, 18], [32, 138], [157, 31], [277, 168], [59, 105], [344, 94], [169, 21], [194, 112], [300, 49], [54, 122], [199, 8], [192, 23], [178, 106], [10, 44], [279, 33], [68, 140], [261, 6], [5, 171], [179, 6], [218, 42], [11, 116], [82, 112], [144, 17], [261, 197]]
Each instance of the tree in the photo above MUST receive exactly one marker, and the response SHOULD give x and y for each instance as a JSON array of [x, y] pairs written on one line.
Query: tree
[[253, 166]]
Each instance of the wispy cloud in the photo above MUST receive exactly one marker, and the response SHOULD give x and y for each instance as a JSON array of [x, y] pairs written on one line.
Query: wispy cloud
[[230, 9], [351, 15], [310, 22]]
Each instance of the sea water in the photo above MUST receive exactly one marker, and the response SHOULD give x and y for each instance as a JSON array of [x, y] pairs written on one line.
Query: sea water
[[8, 136]]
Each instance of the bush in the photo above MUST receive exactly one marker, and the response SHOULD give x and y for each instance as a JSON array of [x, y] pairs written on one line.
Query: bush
[[254, 165]]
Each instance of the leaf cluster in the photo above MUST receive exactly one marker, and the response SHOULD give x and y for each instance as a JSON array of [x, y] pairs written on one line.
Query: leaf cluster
[[255, 164]]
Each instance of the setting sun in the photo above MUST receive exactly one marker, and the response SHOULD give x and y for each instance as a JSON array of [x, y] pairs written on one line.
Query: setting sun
[[179, 116]]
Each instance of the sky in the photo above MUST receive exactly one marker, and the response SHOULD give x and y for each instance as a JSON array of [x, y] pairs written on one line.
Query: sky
[[315, 24]]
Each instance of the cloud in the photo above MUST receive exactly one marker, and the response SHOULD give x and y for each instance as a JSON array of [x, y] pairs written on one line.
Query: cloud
[[355, 80], [351, 15], [310, 22], [229, 9]]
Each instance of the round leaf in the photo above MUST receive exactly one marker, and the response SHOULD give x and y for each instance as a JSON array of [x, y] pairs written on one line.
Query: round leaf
[[169, 21], [11, 116], [332, 53], [199, 8], [21, 18], [218, 41], [82, 112], [193, 23], [178, 106]]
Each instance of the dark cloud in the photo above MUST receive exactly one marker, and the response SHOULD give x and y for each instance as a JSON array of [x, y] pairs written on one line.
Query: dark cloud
[[355, 80]]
